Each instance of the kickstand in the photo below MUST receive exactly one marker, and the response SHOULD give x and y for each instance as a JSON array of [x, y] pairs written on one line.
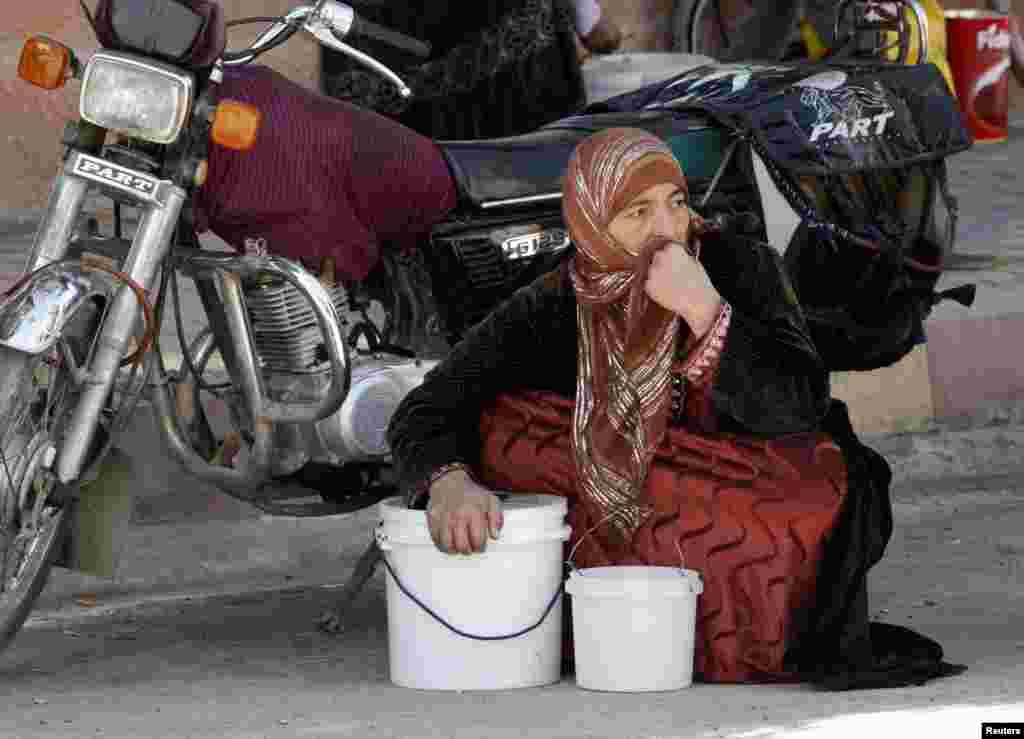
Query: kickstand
[[333, 621]]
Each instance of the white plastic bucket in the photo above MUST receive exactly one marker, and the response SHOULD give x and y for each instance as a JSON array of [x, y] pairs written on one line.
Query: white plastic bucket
[[633, 627], [615, 74], [501, 591]]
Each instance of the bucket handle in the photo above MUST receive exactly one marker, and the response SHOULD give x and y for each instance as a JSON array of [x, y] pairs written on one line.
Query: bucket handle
[[454, 629], [571, 564]]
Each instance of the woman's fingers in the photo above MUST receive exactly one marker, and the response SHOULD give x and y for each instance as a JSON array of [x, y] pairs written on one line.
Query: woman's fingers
[[436, 525], [444, 537], [471, 531], [463, 527], [477, 526], [672, 256], [460, 536], [495, 517], [678, 282]]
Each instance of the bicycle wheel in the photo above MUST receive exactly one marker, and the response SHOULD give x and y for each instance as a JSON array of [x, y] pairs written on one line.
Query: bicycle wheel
[[735, 30]]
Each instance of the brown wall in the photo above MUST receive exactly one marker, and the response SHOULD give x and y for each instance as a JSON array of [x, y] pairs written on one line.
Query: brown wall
[[33, 119]]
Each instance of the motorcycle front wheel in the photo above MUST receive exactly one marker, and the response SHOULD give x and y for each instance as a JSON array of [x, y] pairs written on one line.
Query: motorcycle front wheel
[[36, 396]]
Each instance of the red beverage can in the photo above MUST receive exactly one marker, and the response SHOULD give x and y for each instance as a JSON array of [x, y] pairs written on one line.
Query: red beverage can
[[978, 47]]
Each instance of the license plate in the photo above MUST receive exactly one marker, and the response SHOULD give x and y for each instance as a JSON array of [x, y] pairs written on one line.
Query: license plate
[[524, 246]]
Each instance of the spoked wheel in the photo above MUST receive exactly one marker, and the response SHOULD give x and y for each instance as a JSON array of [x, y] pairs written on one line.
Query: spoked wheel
[[38, 395], [881, 30], [35, 396]]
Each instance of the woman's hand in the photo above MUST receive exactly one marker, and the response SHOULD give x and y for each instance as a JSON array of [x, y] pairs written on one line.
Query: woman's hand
[[677, 282], [462, 515]]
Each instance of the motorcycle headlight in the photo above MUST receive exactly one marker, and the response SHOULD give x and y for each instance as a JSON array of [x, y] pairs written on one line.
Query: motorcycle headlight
[[137, 97]]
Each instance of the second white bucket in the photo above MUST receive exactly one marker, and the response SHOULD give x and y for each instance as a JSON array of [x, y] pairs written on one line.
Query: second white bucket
[[500, 592], [633, 627]]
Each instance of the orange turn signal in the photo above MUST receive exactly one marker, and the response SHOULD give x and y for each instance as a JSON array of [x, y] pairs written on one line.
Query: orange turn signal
[[45, 63], [235, 125]]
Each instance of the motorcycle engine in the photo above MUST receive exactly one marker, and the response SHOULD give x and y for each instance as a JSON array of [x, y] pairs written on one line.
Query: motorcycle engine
[[295, 368]]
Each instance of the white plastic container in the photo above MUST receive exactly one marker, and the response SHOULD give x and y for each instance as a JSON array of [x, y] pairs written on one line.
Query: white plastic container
[[615, 74], [633, 627], [498, 592]]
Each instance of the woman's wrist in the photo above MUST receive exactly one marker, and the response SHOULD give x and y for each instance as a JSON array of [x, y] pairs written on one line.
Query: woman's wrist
[[420, 494], [448, 478], [705, 356], [702, 316]]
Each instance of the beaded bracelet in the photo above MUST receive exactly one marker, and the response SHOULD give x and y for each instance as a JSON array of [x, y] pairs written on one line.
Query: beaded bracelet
[[711, 348]]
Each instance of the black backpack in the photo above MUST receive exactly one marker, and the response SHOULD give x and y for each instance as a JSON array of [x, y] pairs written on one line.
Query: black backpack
[[858, 151]]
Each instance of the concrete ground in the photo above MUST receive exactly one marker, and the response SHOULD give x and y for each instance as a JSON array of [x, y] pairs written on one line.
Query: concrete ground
[[248, 662], [208, 628]]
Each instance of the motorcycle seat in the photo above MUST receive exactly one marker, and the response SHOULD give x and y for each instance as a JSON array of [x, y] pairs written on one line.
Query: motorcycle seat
[[493, 174]]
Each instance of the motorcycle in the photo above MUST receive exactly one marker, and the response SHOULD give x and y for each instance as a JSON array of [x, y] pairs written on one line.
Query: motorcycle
[[313, 365]]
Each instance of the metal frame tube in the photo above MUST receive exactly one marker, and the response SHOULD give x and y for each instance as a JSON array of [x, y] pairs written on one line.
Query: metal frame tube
[[241, 339], [246, 371], [50, 243], [242, 483], [67, 195], [213, 306]]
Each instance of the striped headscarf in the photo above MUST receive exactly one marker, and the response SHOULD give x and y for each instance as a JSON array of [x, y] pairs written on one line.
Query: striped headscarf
[[627, 342]]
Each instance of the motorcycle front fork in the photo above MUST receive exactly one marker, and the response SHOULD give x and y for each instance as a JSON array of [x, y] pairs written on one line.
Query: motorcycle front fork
[[160, 203], [159, 212]]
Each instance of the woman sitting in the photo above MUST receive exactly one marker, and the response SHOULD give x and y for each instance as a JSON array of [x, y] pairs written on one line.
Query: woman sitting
[[664, 382]]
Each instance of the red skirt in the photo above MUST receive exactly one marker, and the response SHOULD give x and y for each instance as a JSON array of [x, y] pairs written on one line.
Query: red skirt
[[750, 515]]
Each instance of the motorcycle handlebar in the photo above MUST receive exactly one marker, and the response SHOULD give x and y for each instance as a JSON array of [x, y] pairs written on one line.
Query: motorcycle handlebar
[[329, 22], [367, 29]]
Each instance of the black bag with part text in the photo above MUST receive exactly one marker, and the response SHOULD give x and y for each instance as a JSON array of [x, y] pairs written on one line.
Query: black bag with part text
[[857, 152]]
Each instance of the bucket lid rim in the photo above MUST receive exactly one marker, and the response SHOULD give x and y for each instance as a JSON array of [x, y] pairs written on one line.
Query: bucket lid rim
[[518, 510], [634, 581]]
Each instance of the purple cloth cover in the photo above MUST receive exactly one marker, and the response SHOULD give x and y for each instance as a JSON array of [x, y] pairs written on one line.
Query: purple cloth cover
[[325, 178]]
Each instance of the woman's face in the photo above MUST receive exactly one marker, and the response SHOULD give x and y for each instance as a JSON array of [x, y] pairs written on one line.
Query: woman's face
[[659, 211]]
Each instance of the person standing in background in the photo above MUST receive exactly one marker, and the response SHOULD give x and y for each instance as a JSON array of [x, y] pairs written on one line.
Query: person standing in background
[[497, 67], [598, 33], [1016, 39]]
